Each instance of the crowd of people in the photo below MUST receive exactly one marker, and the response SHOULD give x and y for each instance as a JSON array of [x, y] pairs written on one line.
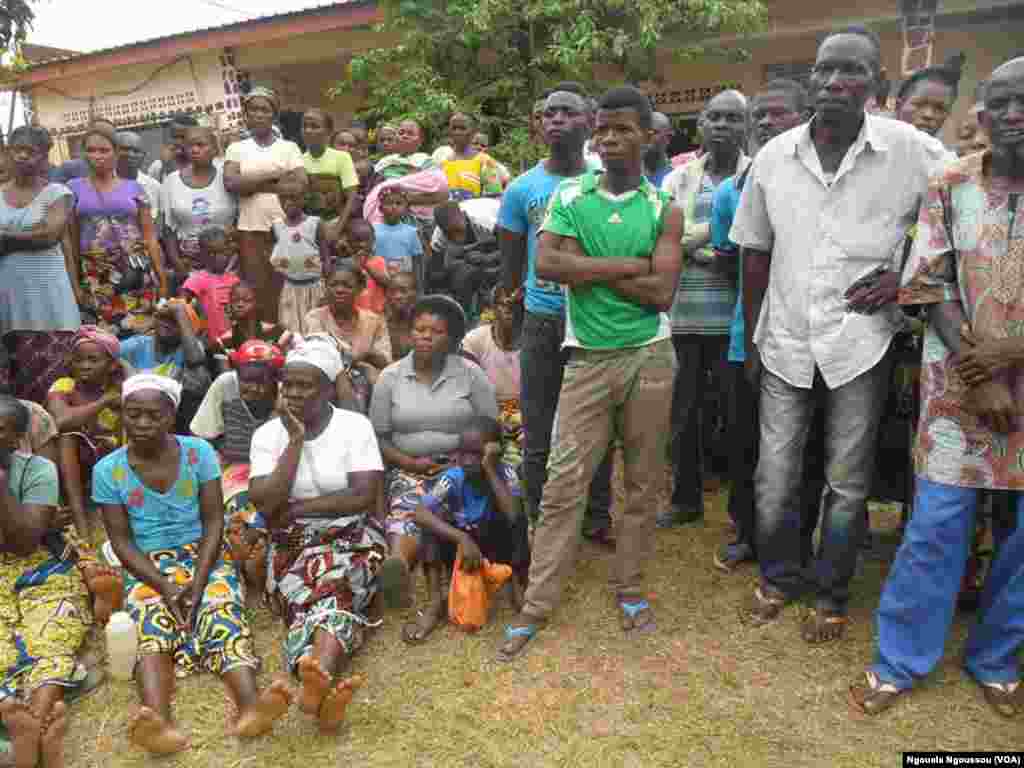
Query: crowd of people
[[292, 377]]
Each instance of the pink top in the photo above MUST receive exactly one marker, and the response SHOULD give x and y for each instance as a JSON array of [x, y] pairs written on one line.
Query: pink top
[[372, 297], [214, 293], [501, 366]]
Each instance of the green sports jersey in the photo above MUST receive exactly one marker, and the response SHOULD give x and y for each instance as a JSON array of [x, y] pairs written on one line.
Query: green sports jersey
[[609, 226]]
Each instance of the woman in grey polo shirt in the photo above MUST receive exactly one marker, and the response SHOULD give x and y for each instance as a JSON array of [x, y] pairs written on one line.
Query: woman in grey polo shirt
[[421, 405]]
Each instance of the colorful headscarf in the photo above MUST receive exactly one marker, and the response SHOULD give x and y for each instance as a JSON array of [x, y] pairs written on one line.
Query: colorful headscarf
[[257, 351], [319, 351], [93, 334], [152, 381], [262, 92]]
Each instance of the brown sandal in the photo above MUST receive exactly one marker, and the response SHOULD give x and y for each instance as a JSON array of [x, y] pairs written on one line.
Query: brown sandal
[[761, 608], [873, 696], [1002, 698], [822, 627]]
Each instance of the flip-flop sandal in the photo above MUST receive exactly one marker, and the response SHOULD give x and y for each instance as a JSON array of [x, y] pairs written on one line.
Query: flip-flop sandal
[[873, 696], [415, 632], [517, 638], [761, 609], [820, 627], [630, 610], [395, 583], [1004, 700]]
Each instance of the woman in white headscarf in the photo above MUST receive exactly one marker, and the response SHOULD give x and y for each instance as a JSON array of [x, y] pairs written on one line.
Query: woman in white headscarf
[[315, 474], [164, 514]]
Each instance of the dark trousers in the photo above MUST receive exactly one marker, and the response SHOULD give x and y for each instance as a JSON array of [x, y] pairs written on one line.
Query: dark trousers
[[542, 363], [744, 438], [697, 357], [500, 540]]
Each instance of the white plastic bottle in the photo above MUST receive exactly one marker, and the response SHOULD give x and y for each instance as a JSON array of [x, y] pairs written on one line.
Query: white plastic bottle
[[122, 644]]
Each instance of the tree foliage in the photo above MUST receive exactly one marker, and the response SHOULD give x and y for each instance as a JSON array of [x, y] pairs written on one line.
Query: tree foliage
[[494, 57], [16, 18]]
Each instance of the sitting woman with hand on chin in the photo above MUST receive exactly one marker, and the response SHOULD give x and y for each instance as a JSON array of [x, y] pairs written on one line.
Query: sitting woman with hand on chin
[[164, 514], [315, 474], [421, 407]]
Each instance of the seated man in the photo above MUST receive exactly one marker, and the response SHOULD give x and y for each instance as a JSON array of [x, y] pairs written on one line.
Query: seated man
[[464, 250]]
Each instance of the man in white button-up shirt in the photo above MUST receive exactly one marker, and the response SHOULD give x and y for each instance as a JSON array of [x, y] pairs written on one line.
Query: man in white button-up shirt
[[820, 220]]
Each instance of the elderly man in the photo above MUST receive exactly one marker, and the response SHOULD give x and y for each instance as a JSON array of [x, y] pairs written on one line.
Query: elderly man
[[965, 268], [822, 214], [705, 301]]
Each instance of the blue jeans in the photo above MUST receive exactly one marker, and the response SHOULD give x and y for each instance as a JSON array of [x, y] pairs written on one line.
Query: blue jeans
[[919, 598], [542, 363]]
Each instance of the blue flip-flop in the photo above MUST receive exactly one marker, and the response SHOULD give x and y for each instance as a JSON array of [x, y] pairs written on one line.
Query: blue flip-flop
[[525, 631], [632, 609]]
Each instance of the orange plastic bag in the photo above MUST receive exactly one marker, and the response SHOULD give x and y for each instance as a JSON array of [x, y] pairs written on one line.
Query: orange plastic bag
[[469, 597]]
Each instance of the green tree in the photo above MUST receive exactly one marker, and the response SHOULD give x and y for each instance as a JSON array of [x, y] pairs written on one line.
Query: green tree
[[494, 57], [16, 18]]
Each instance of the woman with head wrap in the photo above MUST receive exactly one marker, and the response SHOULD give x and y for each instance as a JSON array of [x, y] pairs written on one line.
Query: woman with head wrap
[[38, 313], [252, 169], [87, 409], [316, 476], [44, 607], [421, 406], [240, 402], [164, 514]]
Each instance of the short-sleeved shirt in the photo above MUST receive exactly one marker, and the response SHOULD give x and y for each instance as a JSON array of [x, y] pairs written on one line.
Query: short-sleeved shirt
[[471, 177], [188, 211], [522, 212], [370, 327], [214, 293], [224, 414], [500, 365], [976, 262], [159, 520], [141, 354], [461, 505], [328, 175], [33, 480], [428, 420], [257, 212], [826, 234], [346, 445], [609, 226], [398, 244], [723, 209]]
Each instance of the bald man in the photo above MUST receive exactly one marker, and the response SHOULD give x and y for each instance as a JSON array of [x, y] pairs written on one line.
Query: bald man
[[971, 435], [704, 303], [656, 163]]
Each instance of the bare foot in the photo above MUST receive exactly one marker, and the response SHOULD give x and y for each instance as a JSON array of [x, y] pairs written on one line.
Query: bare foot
[[154, 734], [315, 685], [52, 742], [272, 705], [107, 589], [332, 713], [25, 731]]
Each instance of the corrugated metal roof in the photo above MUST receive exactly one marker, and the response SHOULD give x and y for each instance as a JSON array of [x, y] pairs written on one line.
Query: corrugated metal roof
[[319, 7]]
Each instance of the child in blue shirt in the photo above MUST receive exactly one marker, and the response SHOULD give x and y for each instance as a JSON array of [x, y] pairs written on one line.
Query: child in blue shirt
[[398, 242]]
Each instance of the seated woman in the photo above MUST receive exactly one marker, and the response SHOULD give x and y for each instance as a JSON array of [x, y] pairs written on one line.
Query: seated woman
[[496, 348], [45, 609], [87, 409], [474, 511], [359, 332], [239, 402], [164, 516], [421, 406], [316, 474], [401, 300]]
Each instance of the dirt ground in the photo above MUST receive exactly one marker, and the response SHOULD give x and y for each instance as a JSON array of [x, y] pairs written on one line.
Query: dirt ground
[[703, 690]]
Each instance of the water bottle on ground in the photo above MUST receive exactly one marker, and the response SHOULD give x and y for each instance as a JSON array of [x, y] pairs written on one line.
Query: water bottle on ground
[[122, 644]]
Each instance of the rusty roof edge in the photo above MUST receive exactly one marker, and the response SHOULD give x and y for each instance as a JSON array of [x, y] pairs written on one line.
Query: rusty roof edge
[[35, 67]]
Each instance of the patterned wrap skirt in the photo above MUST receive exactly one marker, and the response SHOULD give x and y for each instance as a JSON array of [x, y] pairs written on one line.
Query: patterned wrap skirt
[[45, 616], [322, 576], [221, 639]]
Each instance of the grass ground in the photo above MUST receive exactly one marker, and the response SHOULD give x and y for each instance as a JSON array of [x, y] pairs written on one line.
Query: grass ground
[[702, 690]]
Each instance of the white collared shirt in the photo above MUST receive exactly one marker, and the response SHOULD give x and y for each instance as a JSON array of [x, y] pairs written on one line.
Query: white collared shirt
[[824, 236]]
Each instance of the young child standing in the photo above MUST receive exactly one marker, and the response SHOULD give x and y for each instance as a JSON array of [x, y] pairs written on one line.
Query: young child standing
[[358, 243], [211, 286], [300, 251], [398, 242]]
